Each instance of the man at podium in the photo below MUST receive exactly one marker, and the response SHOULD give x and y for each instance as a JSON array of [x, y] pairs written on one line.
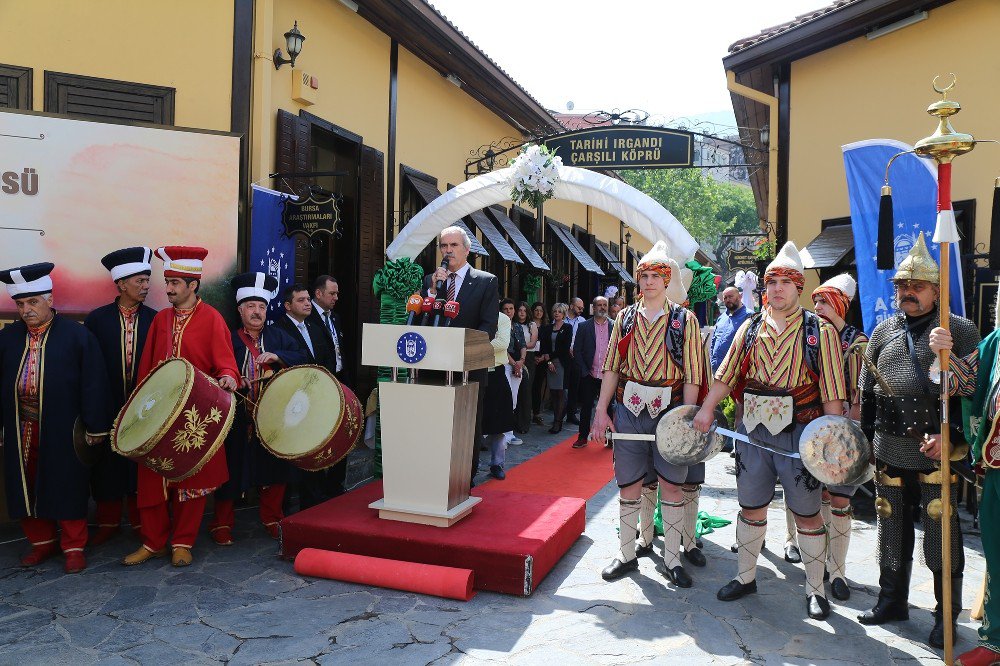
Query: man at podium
[[477, 294]]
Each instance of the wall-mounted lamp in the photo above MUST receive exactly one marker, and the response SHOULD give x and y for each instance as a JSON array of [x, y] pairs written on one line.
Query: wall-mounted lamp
[[765, 134], [454, 80], [293, 42], [628, 238]]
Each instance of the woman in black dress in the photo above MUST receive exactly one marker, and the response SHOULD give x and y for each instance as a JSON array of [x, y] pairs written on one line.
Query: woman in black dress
[[556, 339]]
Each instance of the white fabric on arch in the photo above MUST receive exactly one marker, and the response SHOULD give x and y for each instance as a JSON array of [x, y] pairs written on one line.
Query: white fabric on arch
[[620, 200]]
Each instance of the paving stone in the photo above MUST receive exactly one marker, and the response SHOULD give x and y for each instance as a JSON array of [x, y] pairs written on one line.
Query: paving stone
[[273, 650], [125, 636], [158, 652], [130, 596], [272, 583], [291, 617], [214, 600], [89, 630], [71, 595], [28, 654], [196, 579], [373, 634], [21, 621]]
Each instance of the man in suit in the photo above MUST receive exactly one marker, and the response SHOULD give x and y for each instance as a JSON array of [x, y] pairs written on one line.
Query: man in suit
[[325, 293], [314, 487], [478, 296], [573, 374], [590, 349]]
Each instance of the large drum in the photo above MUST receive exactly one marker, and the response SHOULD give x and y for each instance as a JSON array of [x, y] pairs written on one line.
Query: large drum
[[175, 421], [304, 415]]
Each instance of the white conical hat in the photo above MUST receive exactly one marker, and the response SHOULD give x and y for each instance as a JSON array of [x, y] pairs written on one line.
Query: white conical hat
[[788, 257], [678, 288], [845, 283], [657, 253]]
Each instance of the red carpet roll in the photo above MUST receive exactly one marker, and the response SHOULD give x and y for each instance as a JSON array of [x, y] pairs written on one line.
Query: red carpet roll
[[447, 582]]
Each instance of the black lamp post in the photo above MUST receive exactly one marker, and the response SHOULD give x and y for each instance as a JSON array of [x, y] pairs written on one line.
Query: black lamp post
[[293, 42]]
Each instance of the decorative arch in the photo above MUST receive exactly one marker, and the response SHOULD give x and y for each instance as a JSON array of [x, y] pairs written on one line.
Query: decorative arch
[[639, 211]]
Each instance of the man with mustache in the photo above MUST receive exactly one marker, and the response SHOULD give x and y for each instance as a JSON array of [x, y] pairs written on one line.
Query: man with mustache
[[171, 511], [260, 351], [786, 367], [51, 376], [121, 328], [907, 445]]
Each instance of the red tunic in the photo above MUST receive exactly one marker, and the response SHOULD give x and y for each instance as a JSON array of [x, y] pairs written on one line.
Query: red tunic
[[205, 342]]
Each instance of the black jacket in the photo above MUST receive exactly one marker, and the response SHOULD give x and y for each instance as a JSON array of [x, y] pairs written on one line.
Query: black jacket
[[323, 353], [479, 299], [316, 319], [585, 346], [563, 340]]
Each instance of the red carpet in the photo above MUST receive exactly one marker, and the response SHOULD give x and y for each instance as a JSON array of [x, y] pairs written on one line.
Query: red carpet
[[446, 582], [561, 471], [511, 540]]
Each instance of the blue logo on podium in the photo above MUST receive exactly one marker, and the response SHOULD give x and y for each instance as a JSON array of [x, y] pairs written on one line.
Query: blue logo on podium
[[411, 347]]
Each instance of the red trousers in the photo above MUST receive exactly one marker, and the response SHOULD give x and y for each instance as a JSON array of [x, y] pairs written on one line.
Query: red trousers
[[181, 529], [41, 531], [271, 499], [109, 513]]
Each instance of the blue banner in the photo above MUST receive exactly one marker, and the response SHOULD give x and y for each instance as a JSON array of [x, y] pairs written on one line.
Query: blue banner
[[271, 251], [914, 209]]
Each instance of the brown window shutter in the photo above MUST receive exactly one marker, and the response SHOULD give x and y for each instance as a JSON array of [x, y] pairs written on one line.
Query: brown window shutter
[[108, 99], [293, 155], [371, 250], [15, 87]]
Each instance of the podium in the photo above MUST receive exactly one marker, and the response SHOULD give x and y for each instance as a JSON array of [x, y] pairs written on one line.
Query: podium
[[427, 428]]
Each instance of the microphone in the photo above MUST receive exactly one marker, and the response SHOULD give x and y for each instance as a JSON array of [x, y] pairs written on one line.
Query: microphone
[[425, 306], [438, 308], [414, 306], [451, 311], [439, 285]]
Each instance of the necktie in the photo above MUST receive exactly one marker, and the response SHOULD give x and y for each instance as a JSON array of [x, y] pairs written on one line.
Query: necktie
[[451, 286], [333, 335], [305, 334], [329, 323]]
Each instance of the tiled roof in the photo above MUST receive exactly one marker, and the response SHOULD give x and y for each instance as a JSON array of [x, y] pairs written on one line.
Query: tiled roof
[[782, 28], [575, 121], [484, 54]]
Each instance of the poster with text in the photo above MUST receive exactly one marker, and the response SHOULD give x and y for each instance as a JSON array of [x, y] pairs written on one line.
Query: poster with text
[[73, 190]]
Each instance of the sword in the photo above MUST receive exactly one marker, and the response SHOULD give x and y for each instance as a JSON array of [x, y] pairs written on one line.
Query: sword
[[743, 438]]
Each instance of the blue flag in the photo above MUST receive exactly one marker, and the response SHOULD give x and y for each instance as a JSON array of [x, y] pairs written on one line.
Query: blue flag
[[914, 208], [271, 251]]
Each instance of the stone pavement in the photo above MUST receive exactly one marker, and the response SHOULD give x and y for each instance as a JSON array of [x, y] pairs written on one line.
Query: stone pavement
[[242, 605]]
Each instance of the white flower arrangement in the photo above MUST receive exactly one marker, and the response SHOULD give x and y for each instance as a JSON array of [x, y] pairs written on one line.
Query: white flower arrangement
[[536, 171]]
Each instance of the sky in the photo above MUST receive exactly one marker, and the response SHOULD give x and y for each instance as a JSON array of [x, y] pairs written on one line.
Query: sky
[[661, 56]]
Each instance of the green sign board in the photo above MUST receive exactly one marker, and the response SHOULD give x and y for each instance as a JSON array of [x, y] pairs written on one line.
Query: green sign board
[[624, 147]]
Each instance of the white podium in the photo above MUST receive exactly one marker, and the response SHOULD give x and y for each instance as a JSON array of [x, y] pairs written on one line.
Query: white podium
[[427, 429]]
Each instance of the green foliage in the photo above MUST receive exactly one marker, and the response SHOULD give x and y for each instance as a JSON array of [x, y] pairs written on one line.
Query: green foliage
[[729, 410], [706, 207]]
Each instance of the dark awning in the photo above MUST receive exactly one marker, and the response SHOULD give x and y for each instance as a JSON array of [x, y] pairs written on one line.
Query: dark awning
[[429, 193], [522, 243], [614, 263], [829, 248], [566, 236], [495, 238]]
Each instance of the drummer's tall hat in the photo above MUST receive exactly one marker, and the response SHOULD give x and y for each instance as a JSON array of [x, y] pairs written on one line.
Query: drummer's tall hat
[[787, 264], [26, 281], [255, 286], [129, 262], [182, 261]]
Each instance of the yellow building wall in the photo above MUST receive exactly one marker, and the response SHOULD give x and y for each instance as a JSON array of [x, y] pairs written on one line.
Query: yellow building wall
[[880, 89], [183, 44]]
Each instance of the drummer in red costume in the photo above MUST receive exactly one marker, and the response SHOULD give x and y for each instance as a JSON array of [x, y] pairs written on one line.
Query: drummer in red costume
[[196, 332]]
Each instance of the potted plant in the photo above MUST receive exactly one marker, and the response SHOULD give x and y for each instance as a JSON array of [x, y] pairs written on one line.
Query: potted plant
[[763, 253]]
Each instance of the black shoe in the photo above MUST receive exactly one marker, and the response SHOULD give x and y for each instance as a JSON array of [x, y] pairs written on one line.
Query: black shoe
[[695, 557], [617, 569], [792, 553], [936, 637], [817, 607], [734, 590], [496, 471], [580, 443], [643, 551], [537, 420], [556, 428], [892, 605], [698, 543], [677, 576], [839, 589], [573, 419]]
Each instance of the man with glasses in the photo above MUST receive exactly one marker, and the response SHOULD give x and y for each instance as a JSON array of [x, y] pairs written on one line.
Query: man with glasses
[[905, 426]]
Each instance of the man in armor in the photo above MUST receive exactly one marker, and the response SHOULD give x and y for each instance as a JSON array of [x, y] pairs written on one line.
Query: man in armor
[[656, 361], [831, 301], [786, 367], [899, 406]]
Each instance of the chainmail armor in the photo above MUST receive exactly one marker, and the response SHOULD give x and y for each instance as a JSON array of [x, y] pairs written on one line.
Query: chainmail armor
[[932, 530], [890, 530], [888, 345]]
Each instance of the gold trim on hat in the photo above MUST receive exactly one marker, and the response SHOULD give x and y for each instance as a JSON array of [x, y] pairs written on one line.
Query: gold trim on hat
[[918, 264]]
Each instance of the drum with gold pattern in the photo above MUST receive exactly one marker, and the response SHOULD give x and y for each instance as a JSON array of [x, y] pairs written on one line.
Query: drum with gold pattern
[[175, 421], [307, 417]]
